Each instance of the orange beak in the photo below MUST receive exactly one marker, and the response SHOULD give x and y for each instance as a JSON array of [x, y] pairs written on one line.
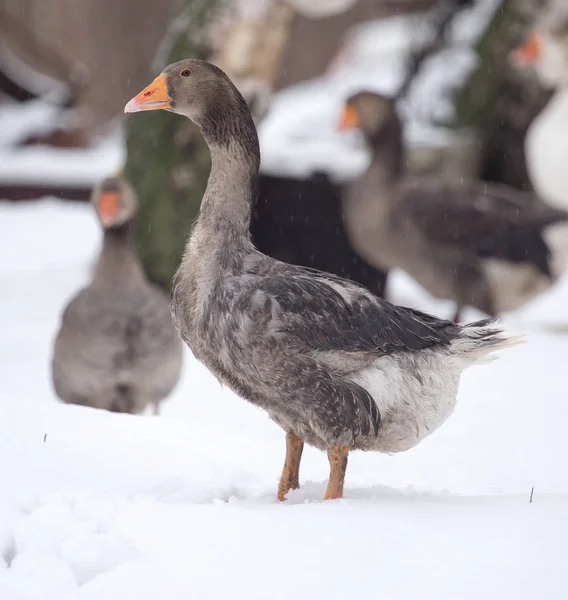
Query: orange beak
[[153, 97], [108, 207], [349, 119], [529, 52]]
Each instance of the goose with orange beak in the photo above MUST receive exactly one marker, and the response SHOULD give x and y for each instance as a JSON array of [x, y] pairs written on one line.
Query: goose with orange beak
[[332, 364], [116, 348], [478, 244]]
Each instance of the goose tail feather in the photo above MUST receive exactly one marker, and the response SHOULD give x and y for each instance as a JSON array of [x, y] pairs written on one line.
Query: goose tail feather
[[480, 340]]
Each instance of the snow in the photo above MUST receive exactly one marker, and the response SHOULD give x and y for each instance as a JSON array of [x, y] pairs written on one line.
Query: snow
[[68, 167], [317, 9], [19, 120], [98, 505]]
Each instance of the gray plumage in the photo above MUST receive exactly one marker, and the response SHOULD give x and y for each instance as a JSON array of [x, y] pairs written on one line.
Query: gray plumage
[[116, 348], [329, 361], [484, 245]]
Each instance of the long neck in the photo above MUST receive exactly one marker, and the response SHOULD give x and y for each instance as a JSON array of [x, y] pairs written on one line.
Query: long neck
[[229, 196], [368, 204], [118, 263], [388, 154], [235, 159], [371, 197]]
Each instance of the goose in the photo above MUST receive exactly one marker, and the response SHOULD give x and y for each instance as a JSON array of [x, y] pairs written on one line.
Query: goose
[[477, 244], [332, 364], [546, 144], [116, 348]]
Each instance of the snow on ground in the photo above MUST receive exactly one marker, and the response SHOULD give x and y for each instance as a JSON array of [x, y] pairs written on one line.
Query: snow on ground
[[97, 505]]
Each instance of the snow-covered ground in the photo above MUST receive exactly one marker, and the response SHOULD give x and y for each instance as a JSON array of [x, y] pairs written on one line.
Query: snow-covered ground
[[97, 506]]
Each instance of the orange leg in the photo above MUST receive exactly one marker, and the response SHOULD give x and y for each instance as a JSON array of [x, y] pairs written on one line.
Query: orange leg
[[337, 456], [290, 478]]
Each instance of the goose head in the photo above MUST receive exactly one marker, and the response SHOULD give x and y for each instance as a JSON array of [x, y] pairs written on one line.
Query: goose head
[[546, 48], [115, 202], [192, 88], [374, 115]]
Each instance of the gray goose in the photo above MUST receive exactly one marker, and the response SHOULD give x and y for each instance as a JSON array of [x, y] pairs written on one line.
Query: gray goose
[[117, 348], [332, 364], [484, 245]]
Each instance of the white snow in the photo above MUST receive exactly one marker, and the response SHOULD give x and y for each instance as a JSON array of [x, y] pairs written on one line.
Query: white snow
[[20, 120], [44, 165], [317, 9], [97, 505]]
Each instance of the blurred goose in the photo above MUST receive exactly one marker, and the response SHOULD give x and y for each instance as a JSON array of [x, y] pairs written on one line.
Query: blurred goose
[[332, 364], [117, 348], [546, 143], [482, 245]]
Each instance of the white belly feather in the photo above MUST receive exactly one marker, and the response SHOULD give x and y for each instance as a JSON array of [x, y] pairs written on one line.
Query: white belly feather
[[415, 394]]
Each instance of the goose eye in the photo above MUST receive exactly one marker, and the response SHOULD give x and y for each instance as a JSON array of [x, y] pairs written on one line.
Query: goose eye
[[185, 73]]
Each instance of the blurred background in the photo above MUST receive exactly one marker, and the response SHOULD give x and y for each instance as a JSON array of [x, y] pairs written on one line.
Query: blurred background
[[67, 69]]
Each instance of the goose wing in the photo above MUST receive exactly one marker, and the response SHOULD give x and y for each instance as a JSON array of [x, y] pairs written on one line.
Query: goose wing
[[318, 311], [488, 221]]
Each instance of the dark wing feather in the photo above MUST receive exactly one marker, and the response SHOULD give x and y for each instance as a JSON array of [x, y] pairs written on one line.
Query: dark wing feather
[[327, 313], [490, 221]]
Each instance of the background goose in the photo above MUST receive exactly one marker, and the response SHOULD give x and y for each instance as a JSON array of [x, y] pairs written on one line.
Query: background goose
[[487, 246], [546, 145], [116, 348], [331, 363]]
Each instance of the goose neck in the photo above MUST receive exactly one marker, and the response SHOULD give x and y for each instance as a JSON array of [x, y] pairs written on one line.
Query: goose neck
[[118, 261], [235, 159]]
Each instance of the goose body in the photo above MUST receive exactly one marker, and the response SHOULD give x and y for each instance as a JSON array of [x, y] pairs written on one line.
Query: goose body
[[483, 245], [331, 363], [116, 348], [326, 360], [498, 248]]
